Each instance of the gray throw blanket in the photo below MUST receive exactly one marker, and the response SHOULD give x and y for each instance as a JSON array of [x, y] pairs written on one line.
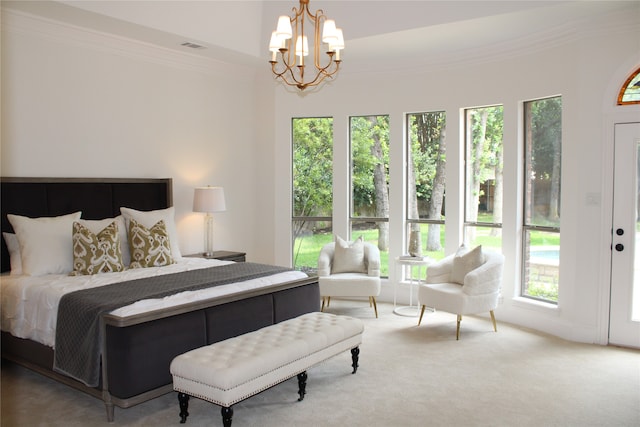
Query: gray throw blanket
[[78, 332]]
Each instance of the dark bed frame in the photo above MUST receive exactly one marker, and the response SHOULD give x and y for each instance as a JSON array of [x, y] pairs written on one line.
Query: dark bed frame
[[137, 350]]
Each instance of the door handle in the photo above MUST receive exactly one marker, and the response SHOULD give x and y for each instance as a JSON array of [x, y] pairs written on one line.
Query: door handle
[[619, 247]]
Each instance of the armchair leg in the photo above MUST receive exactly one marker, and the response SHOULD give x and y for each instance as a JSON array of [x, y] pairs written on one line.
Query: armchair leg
[[458, 327], [328, 301], [421, 313], [493, 319], [322, 308], [375, 307]]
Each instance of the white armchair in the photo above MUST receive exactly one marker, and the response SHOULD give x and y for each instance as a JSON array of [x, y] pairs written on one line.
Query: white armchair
[[463, 284], [350, 270]]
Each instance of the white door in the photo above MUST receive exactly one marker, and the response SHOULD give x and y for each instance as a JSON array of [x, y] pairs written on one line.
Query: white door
[[624, 317]]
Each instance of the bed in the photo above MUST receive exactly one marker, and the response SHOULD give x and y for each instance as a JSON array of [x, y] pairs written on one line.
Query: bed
[[137, 345]]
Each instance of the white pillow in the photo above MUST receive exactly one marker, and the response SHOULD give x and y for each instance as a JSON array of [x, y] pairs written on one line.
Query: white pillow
[[151, 218], [45, 243], [465, 263], [348, 257], [14, 253], [96, 226]]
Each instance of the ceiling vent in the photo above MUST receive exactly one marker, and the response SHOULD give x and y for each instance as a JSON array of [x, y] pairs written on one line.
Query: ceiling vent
[[192, 45]]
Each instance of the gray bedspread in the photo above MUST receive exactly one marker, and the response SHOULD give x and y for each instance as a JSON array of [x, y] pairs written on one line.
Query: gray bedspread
[[78, 332]]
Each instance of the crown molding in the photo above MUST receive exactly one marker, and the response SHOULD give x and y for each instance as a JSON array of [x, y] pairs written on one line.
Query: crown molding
[[543, 39], [23, 23]]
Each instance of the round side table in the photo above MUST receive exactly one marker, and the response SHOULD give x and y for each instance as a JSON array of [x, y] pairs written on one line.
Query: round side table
[[407, 265]]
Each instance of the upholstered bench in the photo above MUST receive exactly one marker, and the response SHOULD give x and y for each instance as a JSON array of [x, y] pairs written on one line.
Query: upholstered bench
[[232, 370]]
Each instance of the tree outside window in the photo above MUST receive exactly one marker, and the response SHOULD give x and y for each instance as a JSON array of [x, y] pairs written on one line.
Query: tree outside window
[[484, 177], [369, 138], [542, 180], [312, 189], [426, 143]]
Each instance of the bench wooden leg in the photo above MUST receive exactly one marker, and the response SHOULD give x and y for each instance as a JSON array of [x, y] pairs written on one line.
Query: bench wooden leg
[[183, 400], [302, 385], [110, 412], [354, 358], [227, 415]]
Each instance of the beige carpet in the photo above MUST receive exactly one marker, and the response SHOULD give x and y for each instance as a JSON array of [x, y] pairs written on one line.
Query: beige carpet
[[408, 375]]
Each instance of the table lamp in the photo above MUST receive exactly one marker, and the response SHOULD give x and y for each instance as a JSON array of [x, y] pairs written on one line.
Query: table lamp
[[208, 200]]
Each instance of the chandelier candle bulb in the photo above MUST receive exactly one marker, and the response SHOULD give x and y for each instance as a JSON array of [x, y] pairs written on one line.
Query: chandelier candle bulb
[[338, 45], [274, 45], [302, 48]]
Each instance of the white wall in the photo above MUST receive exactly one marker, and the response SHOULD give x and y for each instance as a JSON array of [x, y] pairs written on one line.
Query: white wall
[[77, 103], [80, 103], [579, 67]]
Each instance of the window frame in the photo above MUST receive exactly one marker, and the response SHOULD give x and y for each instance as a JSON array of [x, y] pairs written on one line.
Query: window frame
[[526, 228], [626, 86], [298, 218], [365, 219], [409, 222], [466, 160]]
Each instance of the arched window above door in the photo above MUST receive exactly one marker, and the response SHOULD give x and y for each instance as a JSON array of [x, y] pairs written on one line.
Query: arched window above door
[[630, 90]]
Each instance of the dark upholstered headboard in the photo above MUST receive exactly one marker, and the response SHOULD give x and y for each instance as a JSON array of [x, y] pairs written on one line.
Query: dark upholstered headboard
[[97, 198]]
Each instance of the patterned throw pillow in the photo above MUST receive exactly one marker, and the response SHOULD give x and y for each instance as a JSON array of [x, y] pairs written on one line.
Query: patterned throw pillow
[[150, 247], [96, 253], [149, 218]]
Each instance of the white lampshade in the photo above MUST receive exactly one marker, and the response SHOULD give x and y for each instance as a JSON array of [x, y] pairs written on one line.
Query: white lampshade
[[329, 34], [275, 43], [302, 46], [339, 43], [209, 199], [284, 30]]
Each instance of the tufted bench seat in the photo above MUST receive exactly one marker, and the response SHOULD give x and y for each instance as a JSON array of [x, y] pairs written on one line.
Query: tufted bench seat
[[232, 370]]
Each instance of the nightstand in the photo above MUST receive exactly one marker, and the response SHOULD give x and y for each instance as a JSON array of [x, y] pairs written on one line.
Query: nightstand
[[223, 256]]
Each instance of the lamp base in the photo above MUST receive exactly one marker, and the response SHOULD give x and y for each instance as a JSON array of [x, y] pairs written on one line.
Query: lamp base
[[208, 235]]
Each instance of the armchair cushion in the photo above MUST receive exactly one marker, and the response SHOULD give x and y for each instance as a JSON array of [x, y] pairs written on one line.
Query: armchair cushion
[[348, 257], [349, 285], [465, 263]]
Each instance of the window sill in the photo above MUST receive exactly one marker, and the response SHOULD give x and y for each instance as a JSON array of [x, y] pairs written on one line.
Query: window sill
[[536, 305]]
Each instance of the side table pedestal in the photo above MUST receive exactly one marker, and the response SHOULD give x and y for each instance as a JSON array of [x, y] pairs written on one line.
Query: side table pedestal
[[406, 266]]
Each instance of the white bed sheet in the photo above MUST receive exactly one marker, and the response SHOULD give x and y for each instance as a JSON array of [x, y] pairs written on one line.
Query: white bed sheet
[[29, 304]]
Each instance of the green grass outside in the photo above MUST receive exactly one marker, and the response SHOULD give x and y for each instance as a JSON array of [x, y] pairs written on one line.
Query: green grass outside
[[307, 249]]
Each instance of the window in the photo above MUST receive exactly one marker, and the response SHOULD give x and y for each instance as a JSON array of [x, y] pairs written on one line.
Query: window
[[542, 181], [483, 177], [426, 148], [630, 90], [312, 189], [369, 140]]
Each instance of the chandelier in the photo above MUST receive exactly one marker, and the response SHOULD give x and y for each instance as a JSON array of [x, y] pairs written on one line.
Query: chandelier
[[289, 61]]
